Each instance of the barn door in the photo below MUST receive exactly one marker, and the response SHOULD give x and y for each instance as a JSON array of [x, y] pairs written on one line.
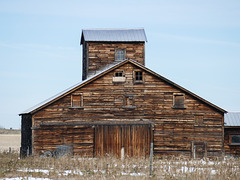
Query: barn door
[[122, 140], [199, 150], [107, 140]]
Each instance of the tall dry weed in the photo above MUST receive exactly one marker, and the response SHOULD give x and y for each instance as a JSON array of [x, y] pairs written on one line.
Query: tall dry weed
[[108, 167]]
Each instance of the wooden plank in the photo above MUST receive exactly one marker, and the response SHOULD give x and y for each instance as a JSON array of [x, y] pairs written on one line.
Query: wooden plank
[[103, 101]]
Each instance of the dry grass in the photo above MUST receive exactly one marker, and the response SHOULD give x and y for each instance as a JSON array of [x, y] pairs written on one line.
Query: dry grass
[[109, 168], [10, 131]]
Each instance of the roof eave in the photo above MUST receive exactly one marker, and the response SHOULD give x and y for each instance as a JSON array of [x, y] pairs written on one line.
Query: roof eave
[[82, 39], [231, 126]]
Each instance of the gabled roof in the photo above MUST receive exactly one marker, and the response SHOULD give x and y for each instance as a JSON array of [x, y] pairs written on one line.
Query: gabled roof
[[102, 73], [232, 119], [113, 35]]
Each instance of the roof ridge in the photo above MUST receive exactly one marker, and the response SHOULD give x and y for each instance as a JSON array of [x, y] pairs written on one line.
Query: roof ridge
[[112, 29]]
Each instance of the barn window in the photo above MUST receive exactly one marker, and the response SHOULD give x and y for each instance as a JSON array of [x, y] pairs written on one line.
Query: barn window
[[119, 74], [178, 101], [235, 139], [118, 77], [128, 101], [138, 76], [76, 100], [120, 54], [198, 119]]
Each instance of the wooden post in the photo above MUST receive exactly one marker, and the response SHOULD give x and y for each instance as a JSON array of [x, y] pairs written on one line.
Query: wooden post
[[150, 159], [122, 153], [28, 151]]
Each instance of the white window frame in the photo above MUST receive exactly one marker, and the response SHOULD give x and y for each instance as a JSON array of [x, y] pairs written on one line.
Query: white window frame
[[123, 54]]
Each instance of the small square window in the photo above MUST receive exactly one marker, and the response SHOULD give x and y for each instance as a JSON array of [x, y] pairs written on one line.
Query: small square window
[[138, 76], [119, 54], [128, 101], [178, 101], [76, 100]]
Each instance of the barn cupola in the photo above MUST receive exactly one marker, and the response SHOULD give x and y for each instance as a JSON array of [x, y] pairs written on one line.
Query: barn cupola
[[105, 47]]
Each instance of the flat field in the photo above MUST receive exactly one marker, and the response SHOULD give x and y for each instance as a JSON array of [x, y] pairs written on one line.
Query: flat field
[[10, 139]]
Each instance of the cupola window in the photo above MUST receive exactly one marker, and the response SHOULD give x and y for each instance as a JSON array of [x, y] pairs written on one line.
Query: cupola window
[[120, 54]]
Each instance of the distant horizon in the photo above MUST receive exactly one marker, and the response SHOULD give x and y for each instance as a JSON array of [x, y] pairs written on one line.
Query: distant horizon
[[194, 44]]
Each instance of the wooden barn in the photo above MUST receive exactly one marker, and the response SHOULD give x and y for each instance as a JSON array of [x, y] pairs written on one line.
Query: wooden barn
[[232, 134], [121, 106]]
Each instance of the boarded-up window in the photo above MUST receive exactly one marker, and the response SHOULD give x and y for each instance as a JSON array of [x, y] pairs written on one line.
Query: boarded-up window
[[119, 77], [138, 76], [77, 100], [178, 101], [129, 101], [198, 119]]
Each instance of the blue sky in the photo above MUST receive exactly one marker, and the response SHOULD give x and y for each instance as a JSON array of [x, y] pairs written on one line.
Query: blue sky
[[196, 44]]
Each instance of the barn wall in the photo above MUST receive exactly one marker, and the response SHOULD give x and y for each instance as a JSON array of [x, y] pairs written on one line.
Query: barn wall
[[233, 150], [80, 137], [100, 54], [175, 130]]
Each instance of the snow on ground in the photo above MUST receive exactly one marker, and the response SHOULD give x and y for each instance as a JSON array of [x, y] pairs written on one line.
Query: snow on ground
[[177, 167], [29, 178]]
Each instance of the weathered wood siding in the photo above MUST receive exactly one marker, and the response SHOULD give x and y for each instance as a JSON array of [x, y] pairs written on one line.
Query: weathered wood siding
[[233, 150], [98, 54], [80, 137], [174, 130], [131, 140]]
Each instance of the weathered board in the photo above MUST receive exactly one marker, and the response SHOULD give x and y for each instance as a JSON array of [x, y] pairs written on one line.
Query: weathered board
[[80, 137], [231, 149], [99, 54], [123, 140]]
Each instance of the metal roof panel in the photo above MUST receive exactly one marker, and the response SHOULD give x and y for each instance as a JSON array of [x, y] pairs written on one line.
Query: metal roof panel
[[232, 119], [114, 35]]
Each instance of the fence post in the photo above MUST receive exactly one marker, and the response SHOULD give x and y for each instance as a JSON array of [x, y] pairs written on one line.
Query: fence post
[[151, 159]]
